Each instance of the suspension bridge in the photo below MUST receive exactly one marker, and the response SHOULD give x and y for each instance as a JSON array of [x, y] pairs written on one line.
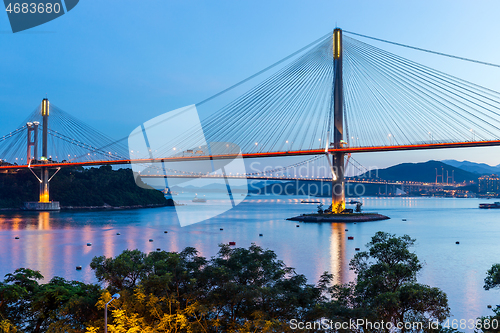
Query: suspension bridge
[[334, 97]]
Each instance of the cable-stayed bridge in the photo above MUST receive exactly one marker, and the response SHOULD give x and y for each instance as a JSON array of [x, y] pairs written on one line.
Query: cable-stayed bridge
[[334, 97]]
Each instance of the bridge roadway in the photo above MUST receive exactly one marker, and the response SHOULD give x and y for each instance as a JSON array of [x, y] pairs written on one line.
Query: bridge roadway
[[348, 180], [194, 157]]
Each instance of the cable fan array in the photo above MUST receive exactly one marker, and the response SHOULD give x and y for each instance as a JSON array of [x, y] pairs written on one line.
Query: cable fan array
[[286, 111], [68, 140], [388, 101]]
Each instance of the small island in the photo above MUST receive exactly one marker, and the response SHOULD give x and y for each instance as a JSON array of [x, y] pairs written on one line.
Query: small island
[[340, 214], [81, 188], [347, 217]]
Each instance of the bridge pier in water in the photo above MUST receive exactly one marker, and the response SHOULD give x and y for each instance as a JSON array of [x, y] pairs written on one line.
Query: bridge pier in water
[[44, 185], [44, 202]]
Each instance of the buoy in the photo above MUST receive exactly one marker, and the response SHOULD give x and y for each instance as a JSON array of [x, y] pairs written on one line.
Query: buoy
[[150, 240], [350, 237], [232, 243], [457, 242], [89, 244], [118, 233], [489, 306], [346, 229], [16, 237], [221, 229], [78, 268], [260, 235], [158, 249], [165, 232], [297, 225], [357, 249]]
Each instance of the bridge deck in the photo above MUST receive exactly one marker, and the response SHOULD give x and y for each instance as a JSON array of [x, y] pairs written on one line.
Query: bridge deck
[[466, 144]]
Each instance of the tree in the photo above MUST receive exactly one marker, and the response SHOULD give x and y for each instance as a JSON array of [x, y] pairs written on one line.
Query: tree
[[491, 281], [239, 290], [64, 306], [16, 294], [157, 272], [139, 312], [159, 289], [57, 306], [7, 327], [122, 272], [250, 289], [81, 187], [386, 286]]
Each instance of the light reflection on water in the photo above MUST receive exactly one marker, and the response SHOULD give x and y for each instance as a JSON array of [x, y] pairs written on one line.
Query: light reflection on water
[[56, 242]]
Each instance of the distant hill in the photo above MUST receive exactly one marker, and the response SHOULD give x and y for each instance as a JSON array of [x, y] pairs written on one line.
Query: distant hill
[[221, 187], [420, 172], [479, 168]]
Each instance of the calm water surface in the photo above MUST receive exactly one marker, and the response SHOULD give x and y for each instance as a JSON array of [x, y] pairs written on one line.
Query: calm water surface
[[55, 243]]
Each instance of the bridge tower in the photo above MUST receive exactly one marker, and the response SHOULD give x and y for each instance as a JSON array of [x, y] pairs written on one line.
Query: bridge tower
[[44, 185], [338, 184], [44, 202], [32, 141]]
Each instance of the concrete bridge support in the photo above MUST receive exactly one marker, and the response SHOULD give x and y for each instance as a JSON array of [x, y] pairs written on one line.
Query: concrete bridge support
[[338, 185], [44, 202]]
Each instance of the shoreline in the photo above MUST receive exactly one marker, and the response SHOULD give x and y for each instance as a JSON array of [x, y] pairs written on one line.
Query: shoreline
[[106, 207]]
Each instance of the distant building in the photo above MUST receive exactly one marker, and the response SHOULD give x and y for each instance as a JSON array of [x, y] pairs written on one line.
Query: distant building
[[489, 184]]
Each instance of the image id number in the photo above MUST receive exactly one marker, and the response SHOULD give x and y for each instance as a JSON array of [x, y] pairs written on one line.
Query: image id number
[[33, 8]]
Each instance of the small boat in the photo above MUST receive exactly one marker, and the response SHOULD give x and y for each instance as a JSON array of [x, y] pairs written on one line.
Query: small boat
[[490, 206], [168, 191], [196, 199], [308, 200]]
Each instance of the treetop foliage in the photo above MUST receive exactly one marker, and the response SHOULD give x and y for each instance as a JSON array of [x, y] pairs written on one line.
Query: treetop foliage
[[79, 187], [238, 290]]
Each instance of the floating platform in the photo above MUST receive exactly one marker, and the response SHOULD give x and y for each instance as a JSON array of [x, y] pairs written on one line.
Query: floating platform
[[350, 217], [42, 206]]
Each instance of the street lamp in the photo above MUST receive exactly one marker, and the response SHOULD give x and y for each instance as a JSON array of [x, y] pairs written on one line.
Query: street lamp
[[115, 296]]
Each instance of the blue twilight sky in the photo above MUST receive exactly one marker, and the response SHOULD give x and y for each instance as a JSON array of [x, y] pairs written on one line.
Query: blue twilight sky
[[117, 63]]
